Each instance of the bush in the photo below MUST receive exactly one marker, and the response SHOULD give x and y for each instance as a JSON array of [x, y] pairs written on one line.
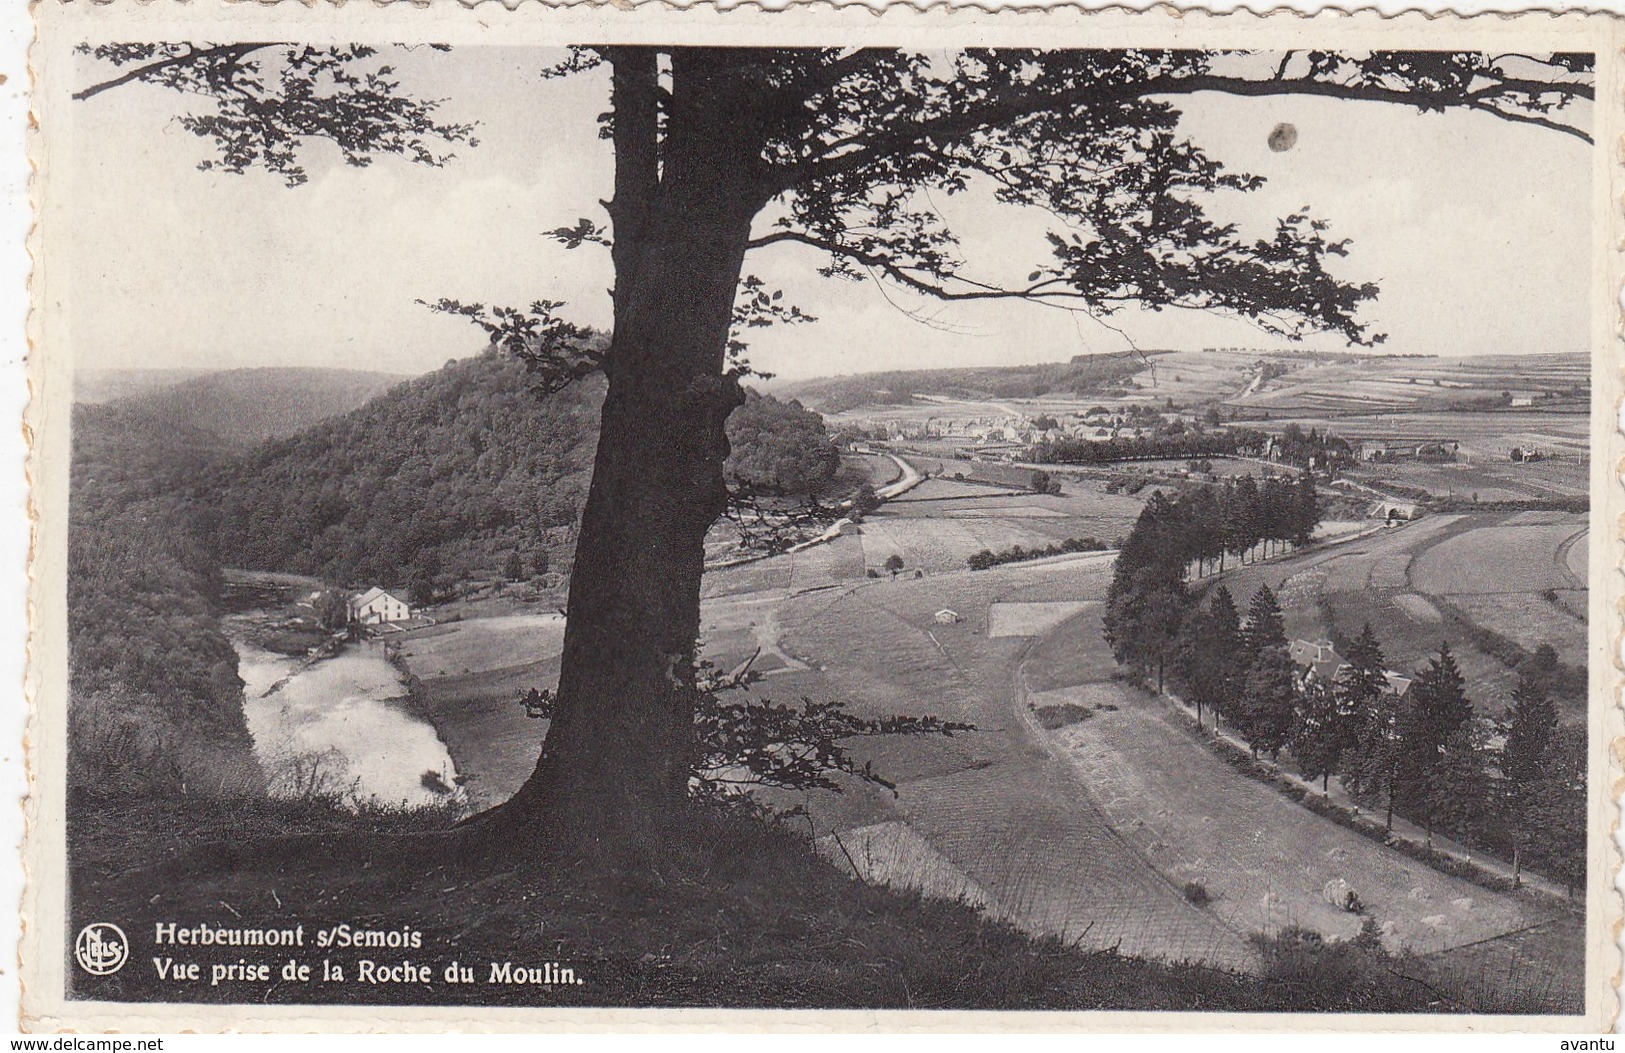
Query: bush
[[1053, 718], [1348, 974], [987, 558], [1196, 894]]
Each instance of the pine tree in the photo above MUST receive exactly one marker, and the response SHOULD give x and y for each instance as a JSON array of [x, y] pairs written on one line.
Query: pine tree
[[1458, 791], [1206, 656], [1307, 513], [1150, 543], [1359, 686], [1268, 700], [1318, 733], [1438, 710], [1142, 619], [1528, 726], [1556, 809], [1241, 517], [1265, 626], [1370, 765]]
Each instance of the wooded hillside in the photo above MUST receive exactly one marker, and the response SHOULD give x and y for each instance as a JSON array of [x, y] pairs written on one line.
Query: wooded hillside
[[156, 702], [449, 474]]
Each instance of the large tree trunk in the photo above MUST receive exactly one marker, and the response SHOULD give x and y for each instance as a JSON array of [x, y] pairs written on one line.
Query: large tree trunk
[[615, 765]]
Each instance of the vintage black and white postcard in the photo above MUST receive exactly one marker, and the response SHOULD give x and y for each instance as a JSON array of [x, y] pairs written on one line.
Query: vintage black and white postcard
[[564, 510]]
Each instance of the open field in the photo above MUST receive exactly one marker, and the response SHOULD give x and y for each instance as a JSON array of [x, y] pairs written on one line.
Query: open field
[[1184, 809], [1020, 618], [939, 489], [999, 815], [1089, 831], [1498, 558], [1479, 432], [1484, 480], [940, 533], [1378, 383], [1305, 386], [1437, 579], [484, 643]]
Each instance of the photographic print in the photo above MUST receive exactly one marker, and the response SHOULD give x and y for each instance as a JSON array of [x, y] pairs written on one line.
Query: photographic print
[[573, 511]]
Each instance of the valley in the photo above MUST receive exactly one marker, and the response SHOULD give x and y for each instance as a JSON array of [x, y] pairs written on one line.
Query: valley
[[1082, 806], [1006, 816]]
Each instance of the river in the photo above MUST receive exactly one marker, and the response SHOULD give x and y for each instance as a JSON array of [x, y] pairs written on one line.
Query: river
[[333, 726]]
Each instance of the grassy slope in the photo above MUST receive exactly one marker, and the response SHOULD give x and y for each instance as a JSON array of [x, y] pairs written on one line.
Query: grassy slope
[[738, 915]]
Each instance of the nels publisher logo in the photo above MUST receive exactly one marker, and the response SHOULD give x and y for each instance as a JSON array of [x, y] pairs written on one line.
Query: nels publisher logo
[[101, 949]]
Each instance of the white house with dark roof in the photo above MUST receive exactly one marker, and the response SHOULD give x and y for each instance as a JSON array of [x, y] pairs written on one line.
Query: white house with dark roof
[[377, 607], [1319, 660]]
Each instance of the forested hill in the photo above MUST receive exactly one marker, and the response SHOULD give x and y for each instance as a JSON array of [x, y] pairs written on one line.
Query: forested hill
[[451, 475], [240, 408], [1083, 375], [156, 702]]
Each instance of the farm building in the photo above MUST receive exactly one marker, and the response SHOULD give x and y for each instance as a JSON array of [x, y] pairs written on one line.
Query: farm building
[[377, 607], [946, 616], [1317, 660], [1387, 451]]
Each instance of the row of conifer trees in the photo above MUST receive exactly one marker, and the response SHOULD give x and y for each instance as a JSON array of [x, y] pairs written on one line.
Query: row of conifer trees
[[1515, 785]]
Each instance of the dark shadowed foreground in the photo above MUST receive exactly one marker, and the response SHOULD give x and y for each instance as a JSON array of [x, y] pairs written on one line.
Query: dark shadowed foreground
[[744, 915]]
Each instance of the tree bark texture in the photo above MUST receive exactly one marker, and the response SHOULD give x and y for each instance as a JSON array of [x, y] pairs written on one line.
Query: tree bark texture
[[616, 761]]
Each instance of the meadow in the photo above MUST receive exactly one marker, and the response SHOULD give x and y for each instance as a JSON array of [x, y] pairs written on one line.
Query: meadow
[[1088, 828], [1443, 579], [1378, 383]]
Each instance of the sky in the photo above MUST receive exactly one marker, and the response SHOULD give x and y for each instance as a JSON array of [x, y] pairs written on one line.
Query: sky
[[1476, 230]]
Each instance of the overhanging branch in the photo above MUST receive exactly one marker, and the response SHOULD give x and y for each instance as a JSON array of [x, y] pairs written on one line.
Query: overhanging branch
[[232, 52]]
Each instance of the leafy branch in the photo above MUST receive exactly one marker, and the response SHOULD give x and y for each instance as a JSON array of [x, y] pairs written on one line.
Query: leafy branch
[[758, 743], [265, 108], [556, 351]]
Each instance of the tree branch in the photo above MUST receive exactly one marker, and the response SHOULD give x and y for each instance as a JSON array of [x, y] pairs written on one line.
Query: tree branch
[[191, 55], [853, 152]]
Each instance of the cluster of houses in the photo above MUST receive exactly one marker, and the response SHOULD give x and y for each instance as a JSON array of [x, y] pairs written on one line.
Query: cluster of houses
[[1098, 425], [1388, 451]]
